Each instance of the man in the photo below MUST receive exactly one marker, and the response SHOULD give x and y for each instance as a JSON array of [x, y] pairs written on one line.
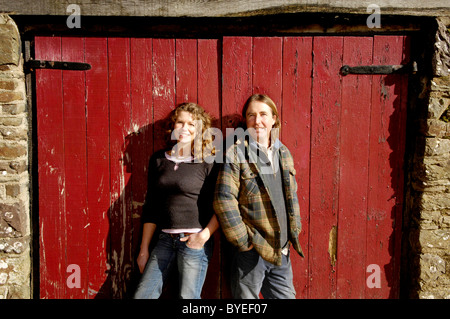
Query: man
[[257, 206]]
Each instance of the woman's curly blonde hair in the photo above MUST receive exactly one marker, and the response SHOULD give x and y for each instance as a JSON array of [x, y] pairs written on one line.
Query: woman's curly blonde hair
[[205, 136]]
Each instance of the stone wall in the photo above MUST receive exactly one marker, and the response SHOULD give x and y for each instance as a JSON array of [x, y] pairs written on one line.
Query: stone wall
[[429, 197], [15, 260]]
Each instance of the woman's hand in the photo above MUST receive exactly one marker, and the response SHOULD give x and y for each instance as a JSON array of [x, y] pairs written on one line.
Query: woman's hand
[[142, 260], [197, 240], [147, 234]]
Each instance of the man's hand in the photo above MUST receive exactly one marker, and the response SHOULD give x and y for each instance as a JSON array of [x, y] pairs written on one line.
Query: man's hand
[[248, 249]]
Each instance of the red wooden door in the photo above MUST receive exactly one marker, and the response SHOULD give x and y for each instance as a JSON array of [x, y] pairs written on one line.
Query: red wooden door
[[97, 129]]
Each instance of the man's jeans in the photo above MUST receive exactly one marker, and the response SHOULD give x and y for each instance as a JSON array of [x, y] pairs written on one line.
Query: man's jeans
[[251, 275], [192, 267]]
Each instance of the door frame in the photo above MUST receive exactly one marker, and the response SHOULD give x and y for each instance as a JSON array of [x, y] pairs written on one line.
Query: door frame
[[171, 27]]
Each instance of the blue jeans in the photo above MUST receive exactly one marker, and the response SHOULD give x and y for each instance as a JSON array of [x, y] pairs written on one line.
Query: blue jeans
[[251, 275], [192, 267]]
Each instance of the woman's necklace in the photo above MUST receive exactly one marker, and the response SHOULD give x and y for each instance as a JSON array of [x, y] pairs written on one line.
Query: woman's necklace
[[178, 160]]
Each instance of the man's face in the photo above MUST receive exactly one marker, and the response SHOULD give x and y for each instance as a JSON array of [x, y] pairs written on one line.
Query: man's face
[[260, 120]]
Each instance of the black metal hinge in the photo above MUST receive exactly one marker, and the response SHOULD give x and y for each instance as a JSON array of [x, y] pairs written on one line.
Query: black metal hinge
[[31, 65], [380, 69]]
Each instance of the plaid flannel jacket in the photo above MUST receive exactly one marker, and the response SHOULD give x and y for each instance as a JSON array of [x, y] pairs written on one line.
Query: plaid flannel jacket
[[243, 205]]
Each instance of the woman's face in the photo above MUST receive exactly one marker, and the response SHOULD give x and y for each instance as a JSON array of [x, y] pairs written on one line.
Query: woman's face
[[184, 128]]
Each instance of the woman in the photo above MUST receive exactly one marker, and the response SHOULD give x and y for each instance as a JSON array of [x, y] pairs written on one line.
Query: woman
[[179, 203]]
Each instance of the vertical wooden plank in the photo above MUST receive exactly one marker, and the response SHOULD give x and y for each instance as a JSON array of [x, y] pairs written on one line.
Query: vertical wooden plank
[[163, 86], [50, 128], [209, 76], [236, 77], [236, 88], [164, 101], [353, 171], [120, 126], [209, 99], [98, 173], [186, 70], [295, 134], [326, 109], [75, 167], [266, 77], [140, 140], [386, 160]]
